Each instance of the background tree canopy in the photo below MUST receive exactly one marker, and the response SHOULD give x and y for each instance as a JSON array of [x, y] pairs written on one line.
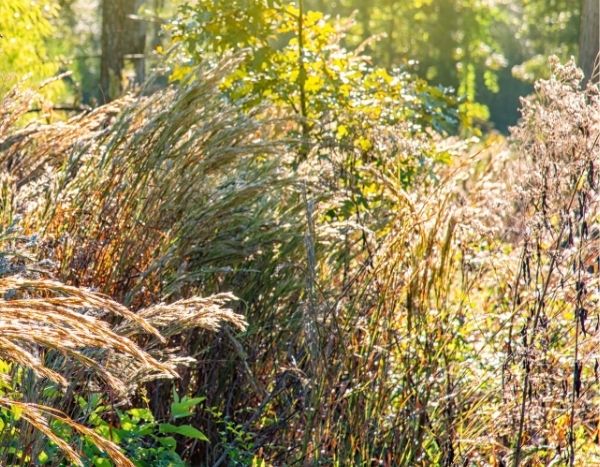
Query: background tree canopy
[[27, 28], [489, 53]]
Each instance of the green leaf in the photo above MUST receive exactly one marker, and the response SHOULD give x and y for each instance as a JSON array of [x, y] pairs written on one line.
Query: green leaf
[[185, 407], [185, 430], [168, 442], [43, 457], [17, 411], [142, 414], [102, 462]]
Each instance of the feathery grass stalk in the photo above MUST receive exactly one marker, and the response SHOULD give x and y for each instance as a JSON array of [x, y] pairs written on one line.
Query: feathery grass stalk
[[564, 174], [538, 310]]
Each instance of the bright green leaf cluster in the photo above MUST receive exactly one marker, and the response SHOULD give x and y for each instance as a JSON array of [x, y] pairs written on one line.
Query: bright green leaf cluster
[[337, 92], [25, 26]]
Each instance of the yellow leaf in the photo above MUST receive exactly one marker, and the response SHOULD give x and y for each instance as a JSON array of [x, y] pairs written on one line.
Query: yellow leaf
[[342, 131], [363, 143], [17, 411]]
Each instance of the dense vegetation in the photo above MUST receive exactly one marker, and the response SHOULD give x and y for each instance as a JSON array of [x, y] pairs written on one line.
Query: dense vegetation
[[290, 234]]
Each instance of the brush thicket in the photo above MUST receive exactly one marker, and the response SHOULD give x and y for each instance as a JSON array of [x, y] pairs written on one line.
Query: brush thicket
[[66, 337], [444, 321]]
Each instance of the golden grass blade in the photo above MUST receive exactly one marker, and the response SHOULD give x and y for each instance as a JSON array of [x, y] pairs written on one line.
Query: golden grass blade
[[36, 415]]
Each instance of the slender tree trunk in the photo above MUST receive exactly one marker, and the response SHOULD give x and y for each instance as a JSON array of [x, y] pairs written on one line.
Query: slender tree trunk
[[120, 36], [137, 30], [302, 83], [391, 24], [364, 15], [589, 38], [443, 41]]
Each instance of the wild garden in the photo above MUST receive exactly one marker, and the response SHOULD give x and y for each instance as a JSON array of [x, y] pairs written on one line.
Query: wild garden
[[271, 232]]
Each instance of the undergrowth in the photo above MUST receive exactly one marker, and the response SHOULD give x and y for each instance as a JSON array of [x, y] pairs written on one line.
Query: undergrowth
[[448, 320]]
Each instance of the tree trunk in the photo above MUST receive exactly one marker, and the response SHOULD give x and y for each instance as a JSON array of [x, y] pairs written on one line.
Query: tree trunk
[[443, 38], [137, 40], [364, 15], [589, 38], [120, 36]]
